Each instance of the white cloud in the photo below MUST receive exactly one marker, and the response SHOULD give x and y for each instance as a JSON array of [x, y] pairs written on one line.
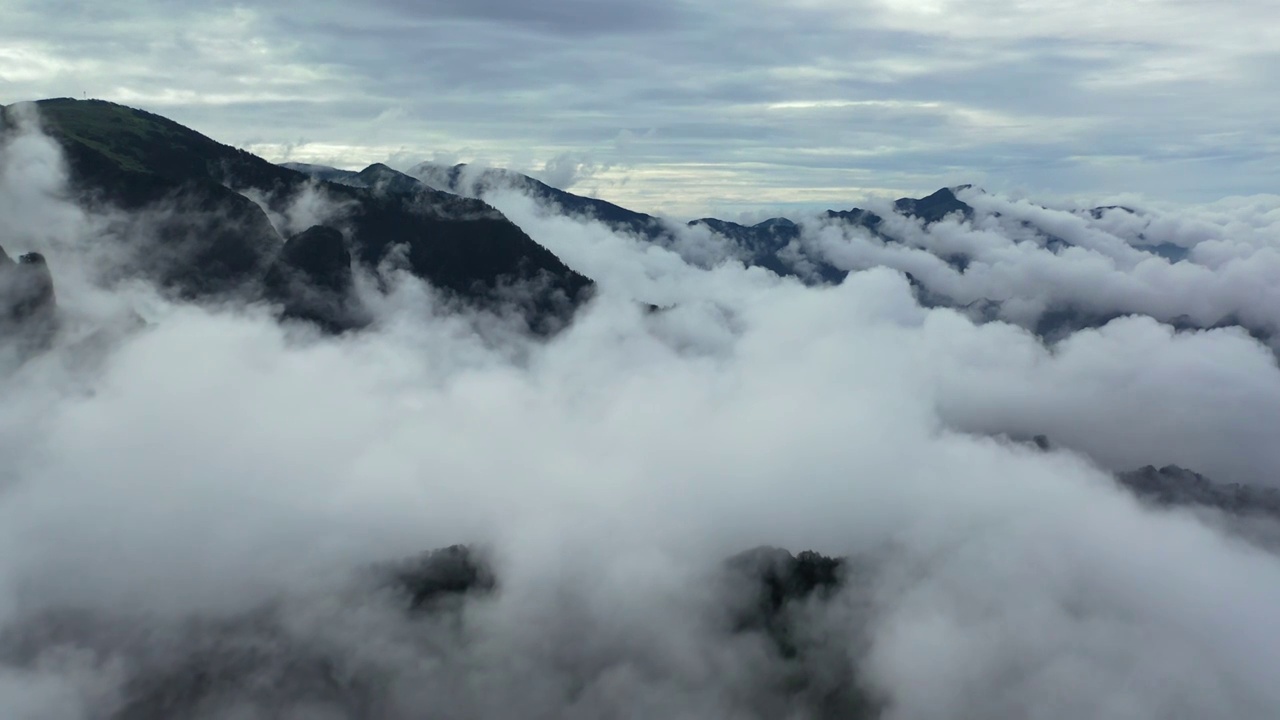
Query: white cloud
[[215, 461]]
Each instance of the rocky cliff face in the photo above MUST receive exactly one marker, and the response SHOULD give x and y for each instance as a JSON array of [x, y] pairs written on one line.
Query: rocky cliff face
[[312, 280], [1172, 486], [28, 304]]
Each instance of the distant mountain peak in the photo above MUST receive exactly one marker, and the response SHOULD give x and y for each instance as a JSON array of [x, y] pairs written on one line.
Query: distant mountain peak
[[936, 206], [1099, 212], [381, 170]]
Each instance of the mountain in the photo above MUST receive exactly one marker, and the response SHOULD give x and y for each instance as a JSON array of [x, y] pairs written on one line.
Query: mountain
[[774, 244], [763, 244], [785, 247], [934, 208], [1173, 486], [201, 236], [767, 244], [204, 219], [377, 177], [475, 182]]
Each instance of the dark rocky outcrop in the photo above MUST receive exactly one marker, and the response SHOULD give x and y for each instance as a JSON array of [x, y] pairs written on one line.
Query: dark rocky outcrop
[[270, 664], [28, 303], [936, 207], [319, 254], [772, 580], [26, 290], [1173, 486], [1098, 213], [777, 594], [436, 577], [313, 280]]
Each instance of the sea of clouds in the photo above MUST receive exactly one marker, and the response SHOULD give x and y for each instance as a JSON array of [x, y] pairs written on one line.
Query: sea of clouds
[[167, 464]]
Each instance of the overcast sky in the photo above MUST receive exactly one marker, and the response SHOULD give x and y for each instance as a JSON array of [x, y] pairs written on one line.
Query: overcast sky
[[690, 106]]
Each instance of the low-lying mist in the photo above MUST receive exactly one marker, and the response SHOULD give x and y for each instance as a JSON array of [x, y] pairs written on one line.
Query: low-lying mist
[[183, 481]]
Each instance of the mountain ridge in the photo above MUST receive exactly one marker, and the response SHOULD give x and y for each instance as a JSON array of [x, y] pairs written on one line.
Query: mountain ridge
[[761, 243], [784, 246], [212, 212]]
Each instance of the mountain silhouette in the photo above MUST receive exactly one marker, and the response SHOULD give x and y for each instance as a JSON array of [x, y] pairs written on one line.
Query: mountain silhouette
[[198, 220], [765, 244]]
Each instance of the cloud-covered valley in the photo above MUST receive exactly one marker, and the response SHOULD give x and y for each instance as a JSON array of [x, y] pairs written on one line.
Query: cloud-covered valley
[[194, 492]]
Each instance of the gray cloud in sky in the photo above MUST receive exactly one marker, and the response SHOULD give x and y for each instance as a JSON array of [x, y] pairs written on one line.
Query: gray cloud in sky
[[697, 106]]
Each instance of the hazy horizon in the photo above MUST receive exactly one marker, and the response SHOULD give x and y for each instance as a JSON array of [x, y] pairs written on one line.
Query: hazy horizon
[[696, 108]]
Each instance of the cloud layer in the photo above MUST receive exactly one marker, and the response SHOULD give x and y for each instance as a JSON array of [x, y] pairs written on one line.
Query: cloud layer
[[215, 462]]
